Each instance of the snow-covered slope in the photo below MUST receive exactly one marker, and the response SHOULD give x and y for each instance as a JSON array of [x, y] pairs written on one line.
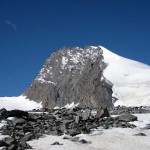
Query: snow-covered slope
[[131, 79], [19, 102]]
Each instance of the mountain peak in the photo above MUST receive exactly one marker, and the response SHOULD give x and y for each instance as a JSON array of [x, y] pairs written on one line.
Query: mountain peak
[[75, 70], [70, 59], [72, 74]]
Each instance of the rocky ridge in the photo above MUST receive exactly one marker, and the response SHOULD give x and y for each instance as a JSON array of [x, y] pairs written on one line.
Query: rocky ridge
[[72, 75]]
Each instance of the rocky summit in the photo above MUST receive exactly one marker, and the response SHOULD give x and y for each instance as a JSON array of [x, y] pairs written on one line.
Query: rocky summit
[[72, 75]]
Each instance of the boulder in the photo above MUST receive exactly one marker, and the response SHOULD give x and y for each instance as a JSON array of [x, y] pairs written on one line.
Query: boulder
[[2, 143], [11, 141], [19, 121], [56, 143], [14, 113], [101, 113], [86, 114], [73, 132], [140, 134], [147, 127], [28, 137], [127, 117]]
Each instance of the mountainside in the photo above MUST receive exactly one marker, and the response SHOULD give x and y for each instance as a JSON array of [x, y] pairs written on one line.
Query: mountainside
[[72, 75], [86, 76], [131, 79]]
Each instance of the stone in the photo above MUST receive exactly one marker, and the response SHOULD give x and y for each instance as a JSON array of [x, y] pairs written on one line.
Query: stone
[[83, 141], [2, 143], [77, 119], [127, 117], [91, 126], [147, 127], [6, 132], [140, 134], [54, 132], [24, 145], [19, 134], [86, 114], [12, 147], [101, 113], [14, 113], [10, 141], [73, 132], [65, 122], [62, 128], [56, 143], [28, 137], [105, 126], [19, 121], [75, 139]]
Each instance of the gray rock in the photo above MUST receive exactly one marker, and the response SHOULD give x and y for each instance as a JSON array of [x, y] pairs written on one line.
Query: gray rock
[[19, 121], [101, 113], [28, 137], [86, 114], [2, 143], [56, 143], [73, 132], [10, 141], [91, 126], [140, 134], [54, 132], [77, 119], [62, 128], [72, 75], [65, 122], [127, 117], [24, 145], [6, 132], [14, 113], [147, 127], [12, 147], [75, 139], [83, 141]]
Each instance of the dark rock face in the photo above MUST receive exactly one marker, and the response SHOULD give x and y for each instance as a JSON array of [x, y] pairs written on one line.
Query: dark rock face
[[72, 75]]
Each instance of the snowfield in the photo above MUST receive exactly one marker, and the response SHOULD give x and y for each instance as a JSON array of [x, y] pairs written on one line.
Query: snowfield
[[19, 102], [131, 79]]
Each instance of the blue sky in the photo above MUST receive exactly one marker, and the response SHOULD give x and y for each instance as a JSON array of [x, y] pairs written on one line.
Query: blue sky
[[31, 29]]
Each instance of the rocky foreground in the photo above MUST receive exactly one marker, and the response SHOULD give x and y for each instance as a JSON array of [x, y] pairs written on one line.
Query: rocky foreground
[[23, 126]]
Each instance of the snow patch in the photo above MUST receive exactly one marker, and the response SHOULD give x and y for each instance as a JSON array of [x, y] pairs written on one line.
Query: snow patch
[[20, 103], [64, 62]]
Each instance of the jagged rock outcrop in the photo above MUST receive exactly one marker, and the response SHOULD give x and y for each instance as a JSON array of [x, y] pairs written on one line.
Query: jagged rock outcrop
[[72, 75]]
